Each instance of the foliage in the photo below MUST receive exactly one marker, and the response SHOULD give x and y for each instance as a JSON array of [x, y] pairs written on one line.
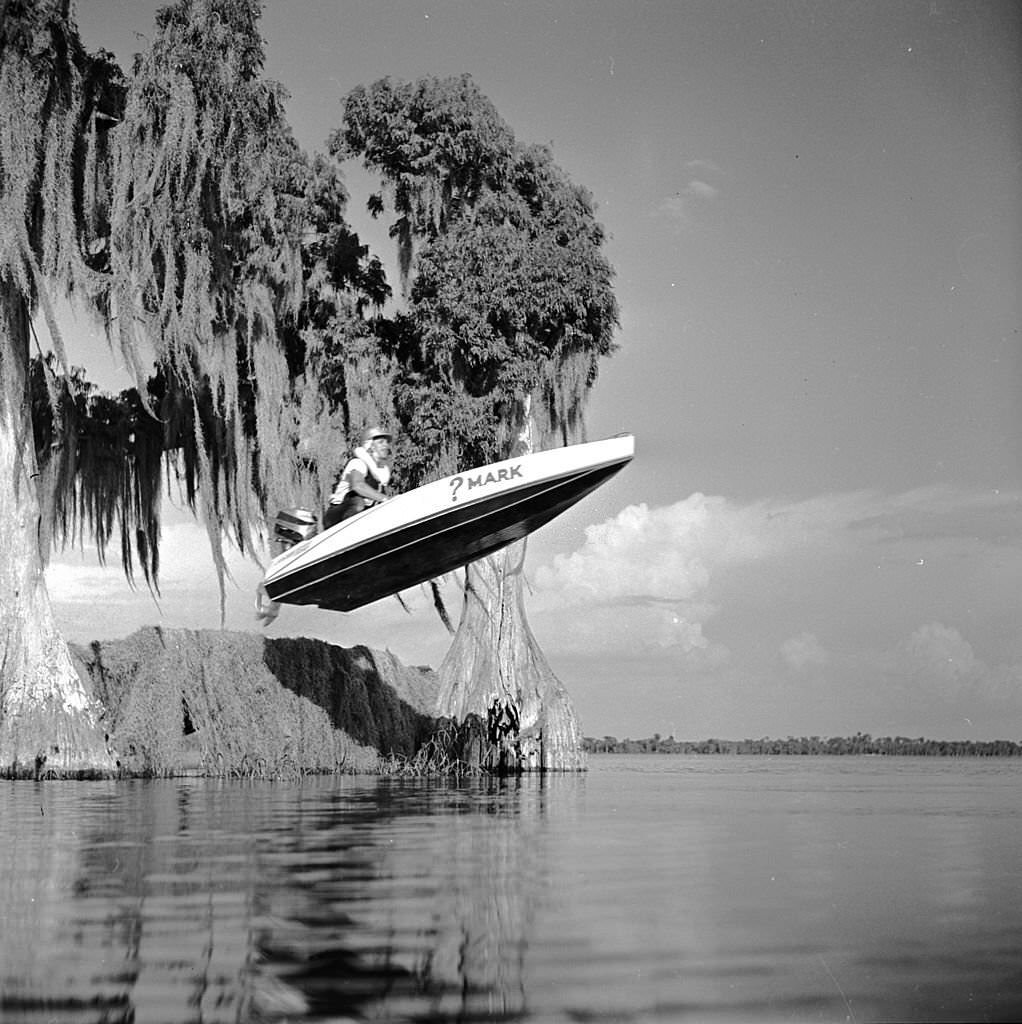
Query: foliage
[[860, 743], [224, 254], [206, 221], [510, 305], [56, 104], [438, 144], [342, 369], [515, 303], [507, 311]]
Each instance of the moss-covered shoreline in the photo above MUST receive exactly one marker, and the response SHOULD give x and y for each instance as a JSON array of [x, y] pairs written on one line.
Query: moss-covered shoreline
[[214, 703]]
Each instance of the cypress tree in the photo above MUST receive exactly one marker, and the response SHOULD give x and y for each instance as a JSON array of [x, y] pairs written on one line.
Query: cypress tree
[[171, 202], [508, 310]]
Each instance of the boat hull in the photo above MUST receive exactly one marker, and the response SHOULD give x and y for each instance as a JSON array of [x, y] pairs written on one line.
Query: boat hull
[[425, 533]]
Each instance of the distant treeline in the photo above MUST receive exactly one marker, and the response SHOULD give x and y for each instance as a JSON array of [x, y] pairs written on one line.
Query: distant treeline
[[860, 743]]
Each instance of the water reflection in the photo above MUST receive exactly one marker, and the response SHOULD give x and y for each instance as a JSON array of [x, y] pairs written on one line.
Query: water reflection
[[417, 898], [714, 889], [183, 900]]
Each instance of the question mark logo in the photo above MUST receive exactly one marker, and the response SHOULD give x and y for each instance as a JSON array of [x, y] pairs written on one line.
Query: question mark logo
[[456, 483]]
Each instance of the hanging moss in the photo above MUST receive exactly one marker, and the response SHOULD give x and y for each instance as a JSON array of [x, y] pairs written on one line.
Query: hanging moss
[[178, 203], [239, 705], [100, 460], [207, 215], [348, 683]]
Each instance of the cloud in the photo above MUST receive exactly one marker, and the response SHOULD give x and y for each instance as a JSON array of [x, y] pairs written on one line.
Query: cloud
[[89, 584], [803, 652], [654, 578], [942, 663], [652, 629], [673, 553], [825, 582], [701, 189], [901, 608], [659, 554], [95, 601], [933, 513], [78, 575], [941, 651], [679, 206], [703, 167]]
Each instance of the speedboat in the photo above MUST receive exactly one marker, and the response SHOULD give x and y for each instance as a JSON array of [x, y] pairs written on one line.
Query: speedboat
[[425, 532]]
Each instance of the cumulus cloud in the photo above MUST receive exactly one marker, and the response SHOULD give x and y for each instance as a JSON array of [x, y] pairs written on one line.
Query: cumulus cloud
[[707, 581], [942, 662], [942, 652], [679, 631], [803, 652], [654, 578], [673, 553], [658, 554]]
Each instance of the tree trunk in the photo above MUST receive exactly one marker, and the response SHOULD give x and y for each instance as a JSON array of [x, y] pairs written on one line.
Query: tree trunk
[[495, 680], [49, 720]]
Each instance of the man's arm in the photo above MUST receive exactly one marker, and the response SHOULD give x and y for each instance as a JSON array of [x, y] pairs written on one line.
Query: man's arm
[[357, 483]]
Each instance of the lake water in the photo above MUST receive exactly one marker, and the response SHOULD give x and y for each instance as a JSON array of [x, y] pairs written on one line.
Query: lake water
[[651, 888]]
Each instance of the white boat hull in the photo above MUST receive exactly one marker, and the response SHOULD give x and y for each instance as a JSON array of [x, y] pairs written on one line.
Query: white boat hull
[[425, 532]]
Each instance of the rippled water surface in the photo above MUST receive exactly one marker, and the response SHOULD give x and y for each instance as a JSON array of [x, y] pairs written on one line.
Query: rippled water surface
[[650, 888]]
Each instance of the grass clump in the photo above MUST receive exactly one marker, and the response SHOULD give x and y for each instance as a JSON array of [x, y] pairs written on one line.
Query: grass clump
[[439, 755]]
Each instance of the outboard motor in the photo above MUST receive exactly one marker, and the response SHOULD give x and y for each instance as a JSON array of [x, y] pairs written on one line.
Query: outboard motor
[[290, 526], [293, 525]]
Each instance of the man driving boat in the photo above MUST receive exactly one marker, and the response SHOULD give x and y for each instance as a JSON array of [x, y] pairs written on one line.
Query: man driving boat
[[364, 478]]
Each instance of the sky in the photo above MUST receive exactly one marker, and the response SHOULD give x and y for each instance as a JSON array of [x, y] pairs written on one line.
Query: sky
[[814, 211]]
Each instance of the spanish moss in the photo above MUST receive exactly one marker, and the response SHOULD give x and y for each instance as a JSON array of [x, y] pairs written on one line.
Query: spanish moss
[[206, 222]]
